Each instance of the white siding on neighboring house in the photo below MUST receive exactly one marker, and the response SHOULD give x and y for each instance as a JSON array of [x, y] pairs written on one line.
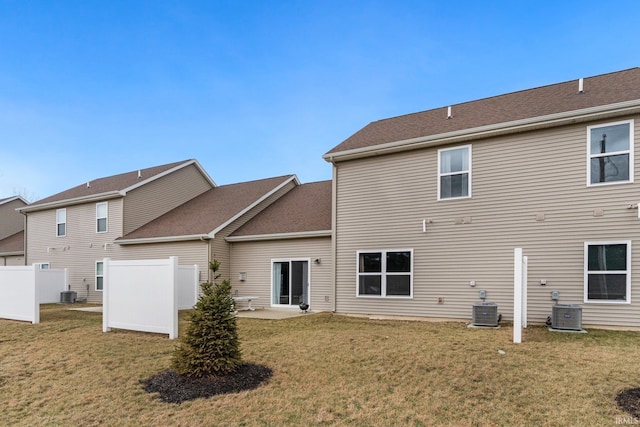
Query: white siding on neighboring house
[[529, 190], [255, 259]]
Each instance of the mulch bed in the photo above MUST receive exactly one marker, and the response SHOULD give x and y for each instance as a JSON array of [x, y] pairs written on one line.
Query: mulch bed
[[629, 401], [175, 388]]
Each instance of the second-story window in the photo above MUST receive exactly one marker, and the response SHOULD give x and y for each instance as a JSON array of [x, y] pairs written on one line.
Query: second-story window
[[61, 222], [101, 217], [454, 173], [610, 153]]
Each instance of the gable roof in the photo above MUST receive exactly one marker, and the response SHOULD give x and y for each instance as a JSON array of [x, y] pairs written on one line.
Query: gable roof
[[111, 186], [12, 198], [12, 245], [205, 215], [613, 94], [302, 212]]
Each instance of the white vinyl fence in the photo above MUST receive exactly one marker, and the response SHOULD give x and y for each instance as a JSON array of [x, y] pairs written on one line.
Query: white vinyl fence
[[50, 283], [145, 295], [188, 286], [24, 288]]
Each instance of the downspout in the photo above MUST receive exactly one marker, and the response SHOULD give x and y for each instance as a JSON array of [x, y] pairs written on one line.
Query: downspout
[[334, 228], [25, 238]]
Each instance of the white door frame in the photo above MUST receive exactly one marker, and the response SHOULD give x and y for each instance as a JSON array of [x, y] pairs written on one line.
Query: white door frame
[[289, 260]]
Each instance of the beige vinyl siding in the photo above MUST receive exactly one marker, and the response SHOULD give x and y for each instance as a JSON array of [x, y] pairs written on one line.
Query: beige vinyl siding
[[254, 258], [80, 248], [11, 260], [158, 197], [220, 249], [382, 201], [11, 221]]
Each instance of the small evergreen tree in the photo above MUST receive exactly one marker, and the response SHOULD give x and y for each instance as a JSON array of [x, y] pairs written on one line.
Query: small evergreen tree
[[210, 345]]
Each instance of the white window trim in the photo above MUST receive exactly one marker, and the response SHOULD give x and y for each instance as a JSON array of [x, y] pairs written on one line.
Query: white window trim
[[587, 271], [106, 217], [383, 273], [613, 153], [468, 171], [97, 275], [58, 223]]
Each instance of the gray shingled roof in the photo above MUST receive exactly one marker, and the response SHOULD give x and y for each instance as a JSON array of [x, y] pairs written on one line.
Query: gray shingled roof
[[107, 184], [600, 90], [208, 211], [13, 243], [305, 208]]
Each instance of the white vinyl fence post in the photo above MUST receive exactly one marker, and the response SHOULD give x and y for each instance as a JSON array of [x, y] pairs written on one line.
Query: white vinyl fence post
[[36, 293], [196, 283], [173, 324], [105, 295], [525, 273], [517, 295]]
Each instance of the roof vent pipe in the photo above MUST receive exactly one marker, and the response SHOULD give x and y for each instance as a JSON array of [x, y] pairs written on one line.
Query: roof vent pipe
[[449, 112], [139, 174], [581, 85], [88, 184]]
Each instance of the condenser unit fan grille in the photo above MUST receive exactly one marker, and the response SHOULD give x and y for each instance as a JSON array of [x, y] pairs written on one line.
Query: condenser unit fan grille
[[566, 316], [485, 314]]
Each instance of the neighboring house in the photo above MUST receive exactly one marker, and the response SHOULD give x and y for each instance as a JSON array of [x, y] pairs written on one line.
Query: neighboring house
[[283, 255], [11, 231], [429, 207], [196, 230], [76, 228]]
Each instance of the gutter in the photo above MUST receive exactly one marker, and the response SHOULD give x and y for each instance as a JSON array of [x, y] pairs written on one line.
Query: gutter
[[279, 236], [6, 254], [334, 240], [505, 128], [164, 239]]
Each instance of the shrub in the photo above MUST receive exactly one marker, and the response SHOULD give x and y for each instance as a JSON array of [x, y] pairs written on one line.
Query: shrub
[[210, 345]]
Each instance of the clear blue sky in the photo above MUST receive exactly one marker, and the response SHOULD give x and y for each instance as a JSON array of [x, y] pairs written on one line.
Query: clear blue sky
[[254, 89]]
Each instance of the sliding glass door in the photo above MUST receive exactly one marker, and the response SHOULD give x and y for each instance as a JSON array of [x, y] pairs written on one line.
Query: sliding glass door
[[290, 282]]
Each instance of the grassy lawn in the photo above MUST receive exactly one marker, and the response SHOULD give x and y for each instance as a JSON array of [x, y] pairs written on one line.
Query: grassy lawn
[[328, 370]]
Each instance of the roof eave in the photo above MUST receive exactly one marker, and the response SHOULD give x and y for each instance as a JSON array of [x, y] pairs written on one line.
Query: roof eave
[[164, 239], [11, 199], [280, 236], [505, 128], [15, 253], [70, 202]]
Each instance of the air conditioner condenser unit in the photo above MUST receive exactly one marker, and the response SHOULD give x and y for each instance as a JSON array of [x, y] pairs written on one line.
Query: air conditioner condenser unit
[[485, 314], [566, 317]]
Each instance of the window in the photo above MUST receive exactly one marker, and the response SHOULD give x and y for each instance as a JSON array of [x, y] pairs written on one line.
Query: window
[[99, 275], [44, 266], [101, 217], [610, 153], [61, 222], [607, 271], [454, 173], [385, 273]]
